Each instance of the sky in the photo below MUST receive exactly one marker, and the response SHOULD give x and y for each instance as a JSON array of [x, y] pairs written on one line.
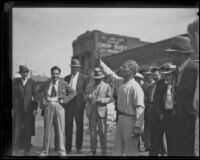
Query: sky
[[42, 37]]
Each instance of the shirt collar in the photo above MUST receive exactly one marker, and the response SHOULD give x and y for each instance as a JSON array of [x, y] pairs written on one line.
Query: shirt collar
[[74, 75], [55, 83], [183, 65]]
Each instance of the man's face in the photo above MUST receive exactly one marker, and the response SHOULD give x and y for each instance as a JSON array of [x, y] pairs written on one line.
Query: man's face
[[55, 75], [125, 70], [149, 77], [156, 75], [24, 74], [74, 70], [168, 77], [176, 58]]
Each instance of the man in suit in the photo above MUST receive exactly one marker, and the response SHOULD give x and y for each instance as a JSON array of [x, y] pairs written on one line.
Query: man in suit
[[75, 109], [98, 95], [193, 30], [184, 90], [147, 92], [157, 144], [163, 111], [24, 110], [55, 93]]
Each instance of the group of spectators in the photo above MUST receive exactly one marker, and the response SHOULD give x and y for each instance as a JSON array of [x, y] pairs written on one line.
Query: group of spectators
[[160, 103]]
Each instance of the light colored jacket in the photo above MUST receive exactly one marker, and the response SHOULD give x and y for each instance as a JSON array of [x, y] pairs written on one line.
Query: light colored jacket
[[102, 92]]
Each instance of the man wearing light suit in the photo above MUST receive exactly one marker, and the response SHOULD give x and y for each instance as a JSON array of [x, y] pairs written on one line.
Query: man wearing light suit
[[98, 95], [55, 93]]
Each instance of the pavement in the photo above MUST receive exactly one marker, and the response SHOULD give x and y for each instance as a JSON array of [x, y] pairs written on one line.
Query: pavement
[[37, 141]]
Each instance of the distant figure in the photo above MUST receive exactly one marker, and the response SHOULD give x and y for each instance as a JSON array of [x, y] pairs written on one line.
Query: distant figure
[[25, 103], [140, 79], [75, 109], [55, 93], [184, 90], [98, 95]]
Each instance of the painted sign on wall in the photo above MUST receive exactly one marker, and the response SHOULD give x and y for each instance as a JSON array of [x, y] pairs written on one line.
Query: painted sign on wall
[[111, 44]]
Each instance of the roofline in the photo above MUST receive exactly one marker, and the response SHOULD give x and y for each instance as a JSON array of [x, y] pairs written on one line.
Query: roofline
[[151, 44]]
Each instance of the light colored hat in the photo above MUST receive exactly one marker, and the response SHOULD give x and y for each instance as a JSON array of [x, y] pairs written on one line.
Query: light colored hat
[[98, 74], [75, 63], [138, 75], [23, 68], [167, 68], [180, 44]]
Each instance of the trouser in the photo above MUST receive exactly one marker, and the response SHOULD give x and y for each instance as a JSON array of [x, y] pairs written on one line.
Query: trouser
[[157, 132], [184, 134], [147, 135], [22, 132], [77, 113], [54, 114], [95, 121], [197, 137], [124, 142]]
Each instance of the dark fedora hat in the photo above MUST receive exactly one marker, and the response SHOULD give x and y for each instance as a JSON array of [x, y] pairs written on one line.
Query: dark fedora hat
[[98, 73], [23, 68], [75, 63], [180, 44], [167, 68]]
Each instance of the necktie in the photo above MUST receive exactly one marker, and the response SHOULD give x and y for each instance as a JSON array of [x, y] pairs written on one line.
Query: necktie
[[53, 91]]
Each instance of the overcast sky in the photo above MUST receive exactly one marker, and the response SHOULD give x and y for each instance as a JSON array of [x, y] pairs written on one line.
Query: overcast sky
[[42, 37]]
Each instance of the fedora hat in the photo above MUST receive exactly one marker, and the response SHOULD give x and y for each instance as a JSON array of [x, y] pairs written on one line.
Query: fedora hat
[[138, 75], [23, 68], [98, 74], [167, 68], [75, 63], [180, 44]]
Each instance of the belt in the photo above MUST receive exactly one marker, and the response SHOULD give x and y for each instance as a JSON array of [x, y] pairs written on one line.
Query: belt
[[125, 114]]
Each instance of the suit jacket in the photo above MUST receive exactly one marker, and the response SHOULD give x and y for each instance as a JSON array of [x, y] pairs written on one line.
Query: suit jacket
[[24, 97], [82, 82], [159, 98], [148, 99], [25, 100], [64, 92], [102, 91], [184, 92]]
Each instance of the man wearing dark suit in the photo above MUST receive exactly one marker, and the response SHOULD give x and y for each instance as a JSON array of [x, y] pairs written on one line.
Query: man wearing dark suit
[[157, 145], [184, 90], [24, 110], [75, 109], [163, 110], [55, 93]]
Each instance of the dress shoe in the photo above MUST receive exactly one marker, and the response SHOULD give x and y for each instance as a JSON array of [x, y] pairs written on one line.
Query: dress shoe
[[79, 151], [43, 154], [92, 153], [62, 154]]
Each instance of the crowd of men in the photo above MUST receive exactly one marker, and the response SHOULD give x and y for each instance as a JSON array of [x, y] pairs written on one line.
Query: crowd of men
[[161, 103]]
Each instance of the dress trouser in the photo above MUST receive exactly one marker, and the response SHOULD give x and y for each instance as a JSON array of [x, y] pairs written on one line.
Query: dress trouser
[[124, 142], [22, 132], [96, 121], [74, 112], [54, 114]]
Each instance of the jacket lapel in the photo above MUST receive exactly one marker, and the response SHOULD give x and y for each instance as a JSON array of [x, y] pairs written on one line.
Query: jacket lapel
[[20, 85], [78, 80]]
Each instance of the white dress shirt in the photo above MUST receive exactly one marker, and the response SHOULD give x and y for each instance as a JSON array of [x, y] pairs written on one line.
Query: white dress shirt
[[73, 81], [49, 91], [168, 98], [24, 81]]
